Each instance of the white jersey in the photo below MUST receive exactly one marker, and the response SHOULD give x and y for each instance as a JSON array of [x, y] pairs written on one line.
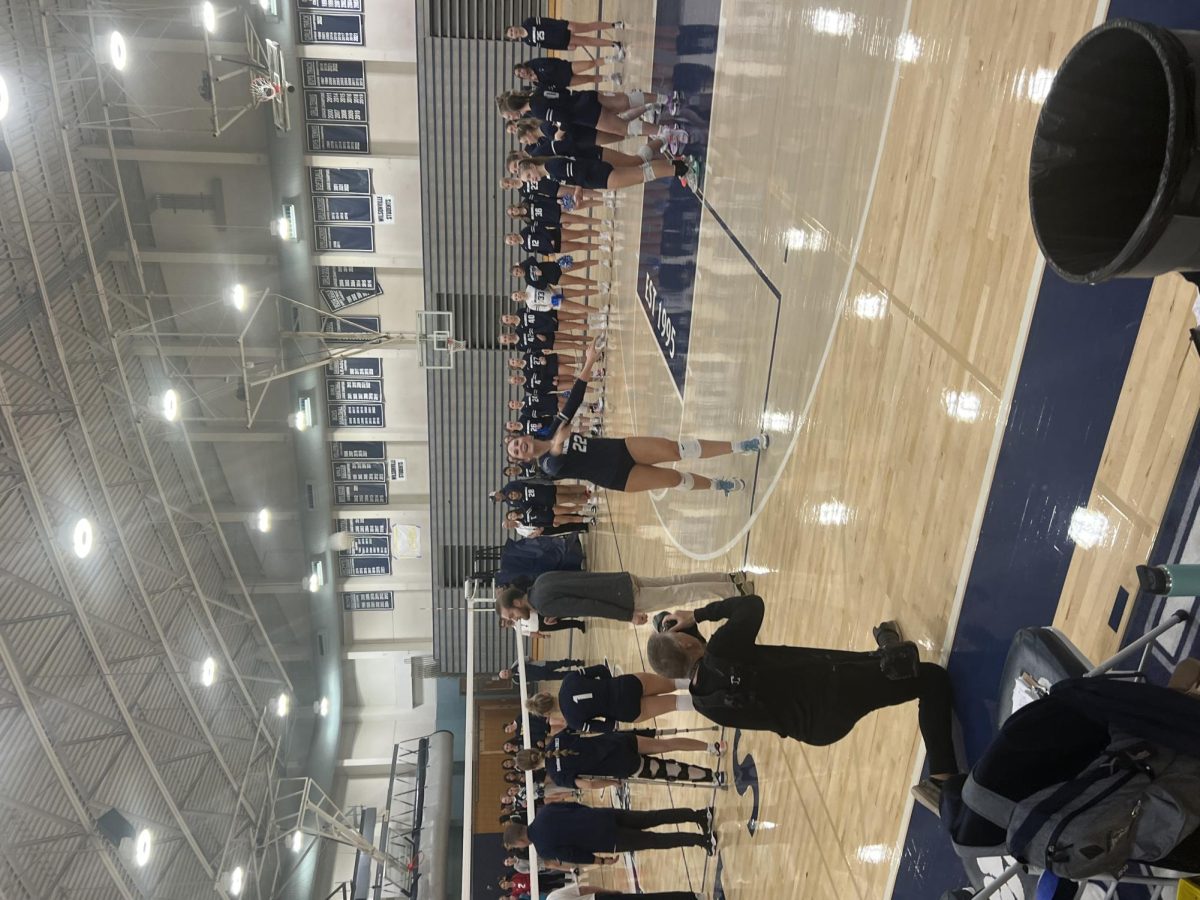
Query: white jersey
[[570, 892], [540, 300]]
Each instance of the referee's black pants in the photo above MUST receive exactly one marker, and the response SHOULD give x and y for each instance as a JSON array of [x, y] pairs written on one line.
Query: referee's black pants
[[632, 836]]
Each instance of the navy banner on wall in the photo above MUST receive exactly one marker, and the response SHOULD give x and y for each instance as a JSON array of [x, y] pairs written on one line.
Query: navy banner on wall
[[324, 180], [355, 139], [346, 238], [358, 389], [369, 545], [364, 494], [345, 29], [334, 105], [356, 415], [382, 525], [358, 601], [342, 5], [342, 286], [357, 450], [360, 566], [342, 209], [356, 367], [359, 471], [333, 73]]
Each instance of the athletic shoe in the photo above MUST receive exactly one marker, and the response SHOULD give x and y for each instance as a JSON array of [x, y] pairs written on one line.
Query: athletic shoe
[[739, 578], [651, 115], [719, 748], [710, 815], [604, 286], [711, 849], [618, 25], [756, 444], [746, 588], [929, 794], [618, 51], [616, 79], [681, 170], [719, 780], [675, 103], [729, 486], [605, 236]]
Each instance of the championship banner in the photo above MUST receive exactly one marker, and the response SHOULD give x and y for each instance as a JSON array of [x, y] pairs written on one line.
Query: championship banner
[[324, 180], [372, 494], [353, 139], [342, 209], [357, 450], [343, 29], [365, 390], [356, 367], [356, 415], [345, 238], [333, 73], [328, 105], [362, 601], [365, 526], [342, 286]]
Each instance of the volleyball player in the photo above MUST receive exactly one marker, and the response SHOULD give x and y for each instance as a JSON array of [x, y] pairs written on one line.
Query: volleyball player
[[544, 274], [527, 493], [564, 34], [548, 212], [546, 300], [626, 464], [617, 114], [598, 761], [569, 139], [601, 702], [552, 72], [596, 174], [547, 241]]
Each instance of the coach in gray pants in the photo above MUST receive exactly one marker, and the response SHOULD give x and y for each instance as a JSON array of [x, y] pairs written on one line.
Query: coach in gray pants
[[611, 595]]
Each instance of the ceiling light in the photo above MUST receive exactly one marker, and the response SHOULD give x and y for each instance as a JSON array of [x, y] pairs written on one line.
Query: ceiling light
[[141, 850], [323, 707], [208, 672], [262, 521], [3, 97], [297, 841], [170, 404], [118, 53], [311, 584], [208, 15], [237, 296], [283, 705], [236, 881], [81, 538]]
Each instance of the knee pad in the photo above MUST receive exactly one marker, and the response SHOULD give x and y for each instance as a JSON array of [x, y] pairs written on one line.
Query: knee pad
[[686, 482], [646, 152], [637, 98], [648, 171], [689, 448]]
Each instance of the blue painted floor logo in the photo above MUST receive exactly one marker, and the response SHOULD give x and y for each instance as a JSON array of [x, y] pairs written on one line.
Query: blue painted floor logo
[[685, 47]]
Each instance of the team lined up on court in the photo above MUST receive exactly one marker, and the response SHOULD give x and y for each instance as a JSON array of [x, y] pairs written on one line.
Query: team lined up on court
[[566, 174]]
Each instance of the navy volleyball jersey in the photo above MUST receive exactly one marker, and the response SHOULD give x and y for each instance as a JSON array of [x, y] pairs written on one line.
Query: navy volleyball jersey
[[532, 494], [544, 212], [540, 404], [537, 516], [542, 322], [540, 362], [540, 240], [579, 755], [551, 72], [529, 192], [542, 31], [538, 383], [551, 106]]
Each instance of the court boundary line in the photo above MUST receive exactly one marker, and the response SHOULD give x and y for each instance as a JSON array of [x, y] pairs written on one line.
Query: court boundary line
[[841, 305]]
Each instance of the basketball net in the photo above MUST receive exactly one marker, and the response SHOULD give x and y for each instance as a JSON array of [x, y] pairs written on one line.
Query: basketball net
[[263, 89]]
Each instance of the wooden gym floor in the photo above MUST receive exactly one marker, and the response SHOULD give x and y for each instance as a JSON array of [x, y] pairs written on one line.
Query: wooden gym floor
[[865, 278]]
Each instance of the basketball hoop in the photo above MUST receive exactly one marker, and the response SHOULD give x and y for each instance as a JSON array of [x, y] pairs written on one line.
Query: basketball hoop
[[263, 90]]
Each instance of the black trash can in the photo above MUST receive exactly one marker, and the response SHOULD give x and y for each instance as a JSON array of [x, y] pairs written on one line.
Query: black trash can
[[1114, 176]]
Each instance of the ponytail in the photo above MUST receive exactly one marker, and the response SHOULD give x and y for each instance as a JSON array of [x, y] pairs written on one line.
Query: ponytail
[[528, 760], [513, 101]]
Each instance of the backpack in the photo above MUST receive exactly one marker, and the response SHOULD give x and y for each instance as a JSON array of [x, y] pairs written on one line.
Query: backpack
[[1134, 803]]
